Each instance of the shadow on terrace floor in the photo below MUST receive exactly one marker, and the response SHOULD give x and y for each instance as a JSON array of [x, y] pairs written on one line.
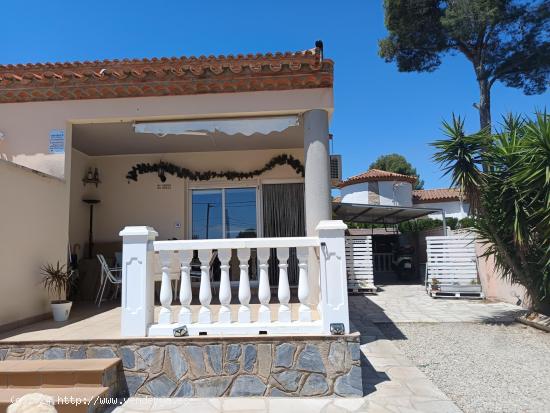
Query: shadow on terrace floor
[[370, 336]]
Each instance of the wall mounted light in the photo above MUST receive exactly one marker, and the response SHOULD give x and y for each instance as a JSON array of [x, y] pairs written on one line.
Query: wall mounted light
[[2, 136]]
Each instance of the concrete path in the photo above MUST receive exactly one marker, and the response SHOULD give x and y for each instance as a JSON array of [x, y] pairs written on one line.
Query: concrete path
[[411, 304], [391, 382]]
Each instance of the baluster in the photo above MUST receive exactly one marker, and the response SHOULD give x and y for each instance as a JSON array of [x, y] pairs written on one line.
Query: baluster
[[284, 289], [264, 291], [165, 315], [186, 294], [244, 285], [205, 292], [303, 284], [224, 315]]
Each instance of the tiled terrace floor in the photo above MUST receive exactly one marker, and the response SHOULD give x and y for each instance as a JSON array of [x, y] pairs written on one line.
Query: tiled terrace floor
[[87, 322]]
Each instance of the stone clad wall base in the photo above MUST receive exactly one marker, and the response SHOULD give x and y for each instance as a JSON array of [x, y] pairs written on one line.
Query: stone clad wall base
[[191, 367]]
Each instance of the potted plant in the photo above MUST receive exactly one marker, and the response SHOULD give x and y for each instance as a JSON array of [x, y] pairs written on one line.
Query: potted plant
[[57, 280]]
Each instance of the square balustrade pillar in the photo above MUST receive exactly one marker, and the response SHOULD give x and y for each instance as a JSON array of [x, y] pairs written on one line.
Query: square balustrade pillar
[[334, 283], [137, 281]]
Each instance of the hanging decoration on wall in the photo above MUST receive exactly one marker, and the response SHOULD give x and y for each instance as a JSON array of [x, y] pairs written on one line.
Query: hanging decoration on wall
[[163, 168]]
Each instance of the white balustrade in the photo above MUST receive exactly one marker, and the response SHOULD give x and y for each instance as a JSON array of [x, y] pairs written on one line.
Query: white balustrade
[[224, 315], [285, 315], [175, 258], [165, 315], [303, 285], [264, 291], [205, 290], [244, 286], [186, 294]]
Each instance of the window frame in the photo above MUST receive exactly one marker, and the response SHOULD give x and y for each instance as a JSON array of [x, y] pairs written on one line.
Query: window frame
[[223, 187]]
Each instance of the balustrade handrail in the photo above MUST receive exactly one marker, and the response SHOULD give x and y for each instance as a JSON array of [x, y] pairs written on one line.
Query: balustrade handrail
[[235, 243]]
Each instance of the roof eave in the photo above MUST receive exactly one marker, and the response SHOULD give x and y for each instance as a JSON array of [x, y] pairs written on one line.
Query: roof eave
[[164, 77]]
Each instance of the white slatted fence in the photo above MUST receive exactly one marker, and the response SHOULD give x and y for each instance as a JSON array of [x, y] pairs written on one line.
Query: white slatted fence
[[451, 268], [359, 262]]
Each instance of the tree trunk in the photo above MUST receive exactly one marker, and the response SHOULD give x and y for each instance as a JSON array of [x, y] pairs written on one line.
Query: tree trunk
[[484, 103]]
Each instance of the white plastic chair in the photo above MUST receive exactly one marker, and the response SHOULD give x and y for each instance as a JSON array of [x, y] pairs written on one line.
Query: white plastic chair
[[111, 275]]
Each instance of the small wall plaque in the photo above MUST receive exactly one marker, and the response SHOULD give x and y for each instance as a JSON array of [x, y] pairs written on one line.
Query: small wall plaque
[[57, 141]]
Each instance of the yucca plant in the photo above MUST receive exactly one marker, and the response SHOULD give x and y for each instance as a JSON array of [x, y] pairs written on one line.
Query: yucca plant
[[506, 178], [57, 280]]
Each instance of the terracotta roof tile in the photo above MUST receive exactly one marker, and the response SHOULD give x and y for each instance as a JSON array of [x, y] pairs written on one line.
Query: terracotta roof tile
[[373, 175], [164, 76], [435, 195]]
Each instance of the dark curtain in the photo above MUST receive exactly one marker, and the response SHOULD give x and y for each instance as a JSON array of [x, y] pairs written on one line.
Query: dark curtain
[[283, 216]]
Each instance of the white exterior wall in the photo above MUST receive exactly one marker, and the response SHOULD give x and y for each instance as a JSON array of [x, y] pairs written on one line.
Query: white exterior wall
[[358, 193], [395, 193], [33, 233], [390, 192], [143, 203], [26, 142], [36, 208], [453, 209]]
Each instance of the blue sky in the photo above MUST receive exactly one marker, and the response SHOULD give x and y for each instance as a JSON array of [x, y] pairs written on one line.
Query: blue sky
[[378, 110]]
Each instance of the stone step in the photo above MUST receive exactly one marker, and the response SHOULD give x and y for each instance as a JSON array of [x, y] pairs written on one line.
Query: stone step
[[66, 399], [58, 373]]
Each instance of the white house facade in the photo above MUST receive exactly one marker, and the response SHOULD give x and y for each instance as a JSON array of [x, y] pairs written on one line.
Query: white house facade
[[199, 148], [449, 200], [377, 187]]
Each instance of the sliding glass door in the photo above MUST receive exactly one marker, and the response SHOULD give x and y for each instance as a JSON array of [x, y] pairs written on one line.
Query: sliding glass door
[[224, 213], [240, 213], [207, 213]]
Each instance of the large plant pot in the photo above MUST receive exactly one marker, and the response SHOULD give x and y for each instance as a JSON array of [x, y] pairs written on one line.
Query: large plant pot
[[61, 310]]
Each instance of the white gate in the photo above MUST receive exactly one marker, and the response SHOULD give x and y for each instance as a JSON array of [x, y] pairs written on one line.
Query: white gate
[[451, 267], [359, 263]]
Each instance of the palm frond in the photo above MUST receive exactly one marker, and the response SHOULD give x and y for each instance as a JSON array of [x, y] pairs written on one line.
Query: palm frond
[[507, 179]]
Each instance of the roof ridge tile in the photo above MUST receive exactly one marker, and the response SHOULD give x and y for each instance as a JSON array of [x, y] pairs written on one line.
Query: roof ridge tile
[[377, 175]]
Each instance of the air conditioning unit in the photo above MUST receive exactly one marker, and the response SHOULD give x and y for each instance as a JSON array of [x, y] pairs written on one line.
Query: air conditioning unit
[[335, 170]]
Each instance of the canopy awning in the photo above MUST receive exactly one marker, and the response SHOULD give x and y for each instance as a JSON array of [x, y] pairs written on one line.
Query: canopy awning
[[379, 214], [244, 126]]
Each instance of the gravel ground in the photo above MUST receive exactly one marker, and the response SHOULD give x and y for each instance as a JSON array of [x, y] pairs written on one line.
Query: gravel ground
[[481, 367]]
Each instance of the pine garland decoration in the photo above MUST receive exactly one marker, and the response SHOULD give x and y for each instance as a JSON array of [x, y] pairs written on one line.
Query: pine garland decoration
[[163, 168]]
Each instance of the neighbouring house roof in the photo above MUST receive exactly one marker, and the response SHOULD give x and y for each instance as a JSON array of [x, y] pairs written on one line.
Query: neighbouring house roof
[[422, 196], [373, 175], [378, 214], [102, 79]]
